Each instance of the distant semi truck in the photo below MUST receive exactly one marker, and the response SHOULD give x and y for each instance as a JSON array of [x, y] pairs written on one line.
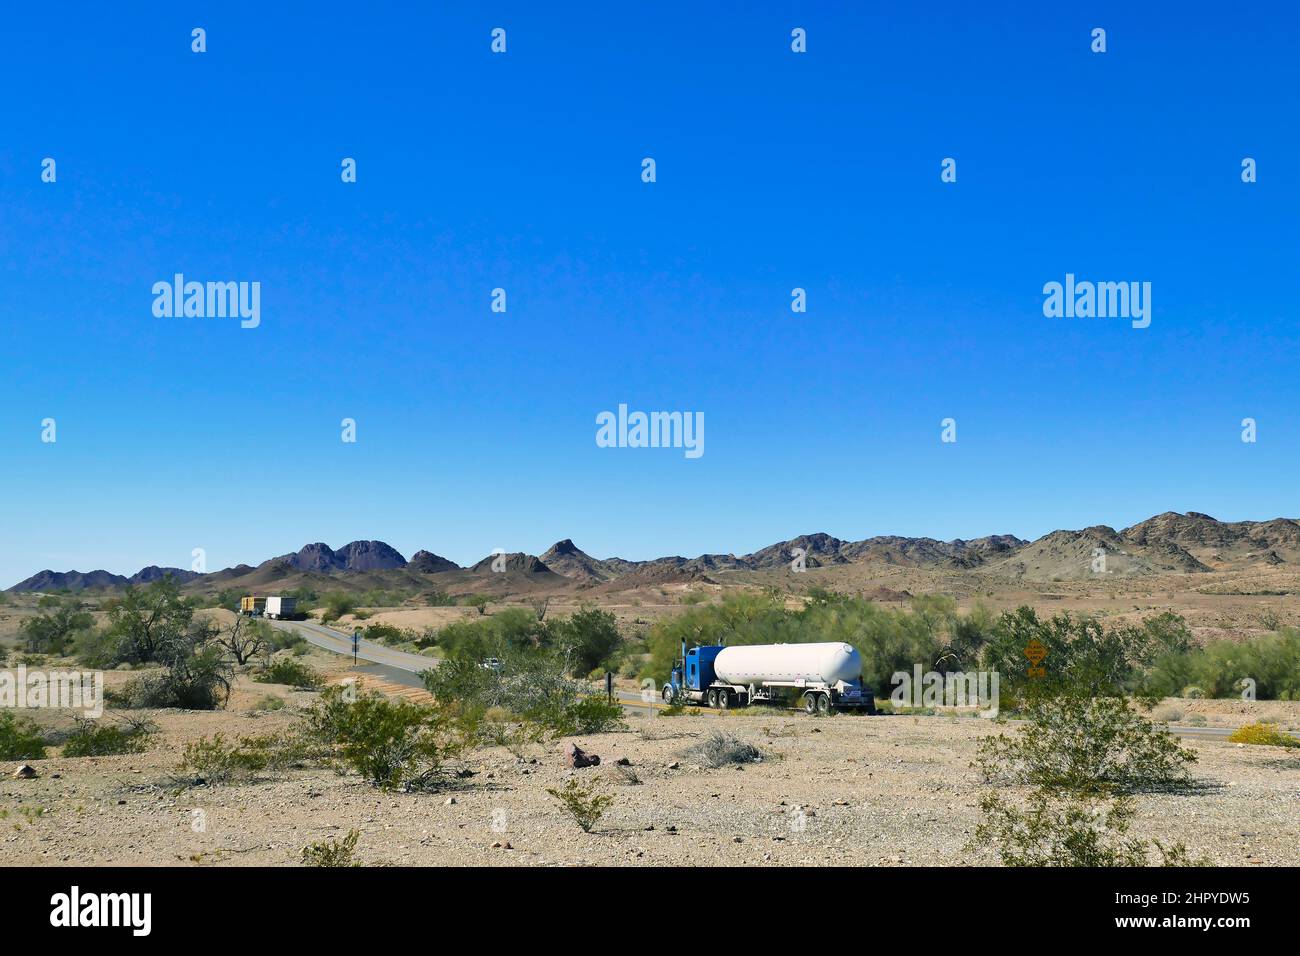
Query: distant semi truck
[[273, 607], [818, 677]]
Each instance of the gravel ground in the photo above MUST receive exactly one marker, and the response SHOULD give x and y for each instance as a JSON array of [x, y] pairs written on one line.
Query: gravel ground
[[886, 791]]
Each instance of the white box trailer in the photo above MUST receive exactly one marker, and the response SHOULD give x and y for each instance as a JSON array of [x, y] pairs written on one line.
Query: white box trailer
[[278, 607]]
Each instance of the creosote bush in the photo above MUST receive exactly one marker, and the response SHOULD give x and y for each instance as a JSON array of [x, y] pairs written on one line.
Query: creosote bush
[[1082, 757], [390, 743], [20, 738], [583, 803], [1085, 745], [331, 852], [98, 738], [290, 672]]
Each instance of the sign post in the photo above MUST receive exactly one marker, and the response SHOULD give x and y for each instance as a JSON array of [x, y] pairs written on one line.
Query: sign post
[[609, 686], [356, 644]]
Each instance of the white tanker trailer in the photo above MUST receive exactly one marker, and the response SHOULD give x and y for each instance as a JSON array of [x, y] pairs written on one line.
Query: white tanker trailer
[[819, 677]]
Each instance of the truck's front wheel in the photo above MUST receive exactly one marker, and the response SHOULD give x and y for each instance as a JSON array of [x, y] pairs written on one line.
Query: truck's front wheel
[[668, 694]]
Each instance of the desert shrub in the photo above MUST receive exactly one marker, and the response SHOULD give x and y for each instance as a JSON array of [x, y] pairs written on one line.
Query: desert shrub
[[531, 685], [95, 738], [585, 804], [20, 738], [479, 601], [1084, 657], [590, 715], [332, 852], [720, 750], [385, 634], [292, 673], [1272, 661], [1195, 720], [1265, 734], [1086, 746], [282, 639], [390, 743], [269, 702], [55, 633], [514, 629], [439, 599], [197, 678], [589, 637], [212, 760], [336, 604], [1167, 713], [1074, 832], [149, 625]]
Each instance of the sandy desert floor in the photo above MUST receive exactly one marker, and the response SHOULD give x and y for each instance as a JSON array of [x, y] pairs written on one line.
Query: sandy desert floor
[[845, 790]]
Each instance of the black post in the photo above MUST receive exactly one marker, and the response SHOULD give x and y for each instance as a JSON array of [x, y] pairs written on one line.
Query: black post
[[609, 686]]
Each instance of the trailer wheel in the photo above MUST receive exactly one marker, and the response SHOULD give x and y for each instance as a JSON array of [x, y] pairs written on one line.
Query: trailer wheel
[[711, 698], [724, 699], [810, 702], [823, 704]]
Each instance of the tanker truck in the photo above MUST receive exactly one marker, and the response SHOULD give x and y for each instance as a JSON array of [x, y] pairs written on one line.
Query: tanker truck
[[818, 677]]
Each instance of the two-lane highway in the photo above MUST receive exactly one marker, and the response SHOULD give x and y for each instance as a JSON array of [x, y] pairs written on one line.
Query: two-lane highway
[[404, 668]]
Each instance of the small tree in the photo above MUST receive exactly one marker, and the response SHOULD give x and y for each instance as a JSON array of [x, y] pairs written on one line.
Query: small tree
[[244, 639]]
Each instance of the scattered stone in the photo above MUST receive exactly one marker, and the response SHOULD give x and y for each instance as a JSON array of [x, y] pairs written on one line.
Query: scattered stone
[[502, 845], [674, 765], [26, 772], [449, 801]]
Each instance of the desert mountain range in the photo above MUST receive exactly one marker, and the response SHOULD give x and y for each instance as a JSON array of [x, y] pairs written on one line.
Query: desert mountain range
[[1188, 543]]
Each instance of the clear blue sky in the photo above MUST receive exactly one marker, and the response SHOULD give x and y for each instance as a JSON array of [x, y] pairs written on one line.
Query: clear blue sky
[[775, 170]]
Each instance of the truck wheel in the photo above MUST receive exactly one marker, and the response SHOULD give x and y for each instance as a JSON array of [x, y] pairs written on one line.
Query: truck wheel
[[810, 703], [823, 704], [668, 694], [724, 699], [711, 698]]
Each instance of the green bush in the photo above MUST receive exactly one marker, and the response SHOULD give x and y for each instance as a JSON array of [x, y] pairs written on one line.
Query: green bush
[[439, 599], [533, 686], [1073, 832], [589, 637], [390, 743], [1086, 746], [214, 761], [1217, 669], [583, 803], [55, 633], [20, 738], [336, 605], [331, 852], [94, 738], [287, 671], [386, 634]]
